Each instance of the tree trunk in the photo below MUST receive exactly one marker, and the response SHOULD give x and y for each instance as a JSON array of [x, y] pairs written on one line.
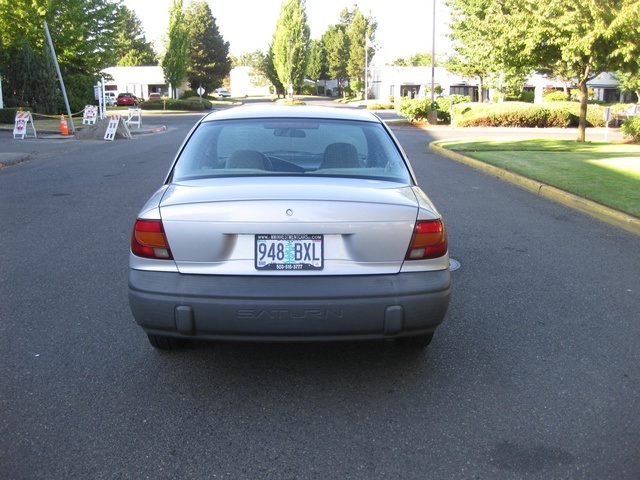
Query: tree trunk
[[582, 122]]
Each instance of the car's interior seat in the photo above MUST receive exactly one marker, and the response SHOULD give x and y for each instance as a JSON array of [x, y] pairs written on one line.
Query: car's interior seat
[[248, 159], [340, 155]]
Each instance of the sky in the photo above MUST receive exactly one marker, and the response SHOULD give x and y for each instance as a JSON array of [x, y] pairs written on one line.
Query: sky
[[403, 29]]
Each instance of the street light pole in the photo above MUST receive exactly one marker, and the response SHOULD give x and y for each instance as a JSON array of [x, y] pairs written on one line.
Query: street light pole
[[433, 114], [290, 41], [366, 67], [1, 102], [64, 91], [433, 55]]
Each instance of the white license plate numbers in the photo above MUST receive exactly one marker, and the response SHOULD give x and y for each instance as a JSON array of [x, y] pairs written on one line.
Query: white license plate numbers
[[289, 252]]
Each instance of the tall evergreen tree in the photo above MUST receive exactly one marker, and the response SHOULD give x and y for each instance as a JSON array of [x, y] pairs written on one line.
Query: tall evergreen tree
[[133, 46], [208, 52], [290, 45], [176, 59]]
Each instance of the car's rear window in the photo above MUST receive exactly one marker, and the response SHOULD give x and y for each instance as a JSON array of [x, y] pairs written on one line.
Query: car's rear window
[[291, 147]]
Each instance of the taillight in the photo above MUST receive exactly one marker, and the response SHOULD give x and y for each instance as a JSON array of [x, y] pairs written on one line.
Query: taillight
[[149, 241], [429, 240]]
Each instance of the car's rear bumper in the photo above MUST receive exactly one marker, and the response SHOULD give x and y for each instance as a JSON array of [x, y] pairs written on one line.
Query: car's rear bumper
[[290, 308]]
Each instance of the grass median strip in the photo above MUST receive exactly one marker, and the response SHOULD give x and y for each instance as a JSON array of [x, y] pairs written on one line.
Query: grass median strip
[[607, 173]]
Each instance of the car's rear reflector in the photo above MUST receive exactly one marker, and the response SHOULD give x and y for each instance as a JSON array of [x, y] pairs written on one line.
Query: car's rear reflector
[[429, 240], [149, 241]]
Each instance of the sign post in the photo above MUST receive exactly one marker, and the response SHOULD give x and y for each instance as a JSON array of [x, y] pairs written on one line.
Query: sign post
[[607, 119], [200, 92]]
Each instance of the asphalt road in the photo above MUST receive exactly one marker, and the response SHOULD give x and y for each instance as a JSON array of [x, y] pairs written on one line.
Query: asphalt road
[[534, 373]]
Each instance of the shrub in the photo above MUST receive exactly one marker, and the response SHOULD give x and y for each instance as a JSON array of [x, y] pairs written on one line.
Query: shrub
[[527, 96], [555, 96], [190, 105], [188, 93], [153, 104], [308, 90], [205, 103], [380, 106], [8, 115], [416, 109], [520, 114], [444, 104], [630, 128], [185, 105]]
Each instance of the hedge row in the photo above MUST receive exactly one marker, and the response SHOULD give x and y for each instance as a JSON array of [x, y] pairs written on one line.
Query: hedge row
[[418, 109], [518, 114], [189, 104], [8, 115]]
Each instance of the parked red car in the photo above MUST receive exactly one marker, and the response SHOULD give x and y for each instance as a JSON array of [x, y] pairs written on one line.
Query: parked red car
[[127, 100]]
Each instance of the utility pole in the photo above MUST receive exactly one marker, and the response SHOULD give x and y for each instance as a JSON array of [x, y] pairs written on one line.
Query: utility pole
[[433, 114], [1, 102], [72, 129]]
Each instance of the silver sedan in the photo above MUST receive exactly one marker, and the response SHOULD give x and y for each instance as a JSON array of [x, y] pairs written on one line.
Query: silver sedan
[[289, 224]]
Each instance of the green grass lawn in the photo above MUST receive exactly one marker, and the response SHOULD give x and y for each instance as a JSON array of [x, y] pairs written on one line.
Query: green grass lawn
[[606, 173]]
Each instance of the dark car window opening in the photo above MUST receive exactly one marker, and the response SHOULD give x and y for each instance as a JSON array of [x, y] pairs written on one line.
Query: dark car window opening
[[291, 147]]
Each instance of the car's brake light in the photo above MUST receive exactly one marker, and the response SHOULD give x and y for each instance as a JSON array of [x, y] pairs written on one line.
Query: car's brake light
[[149, 241], [429, 240]]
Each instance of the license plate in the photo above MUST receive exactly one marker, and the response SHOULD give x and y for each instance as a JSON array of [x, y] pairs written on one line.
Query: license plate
[[289, 252]]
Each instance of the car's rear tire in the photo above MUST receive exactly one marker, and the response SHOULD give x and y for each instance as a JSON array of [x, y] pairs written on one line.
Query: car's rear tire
[[417, 342], [165, 343]]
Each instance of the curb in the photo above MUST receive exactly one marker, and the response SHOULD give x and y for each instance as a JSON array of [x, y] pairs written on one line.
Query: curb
[[596, 210], [8, 159]]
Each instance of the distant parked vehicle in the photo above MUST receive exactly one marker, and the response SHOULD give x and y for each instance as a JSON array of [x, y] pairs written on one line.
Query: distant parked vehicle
[[127, 100], [155, 96], [222, 92], [110, 98], [630, 111]]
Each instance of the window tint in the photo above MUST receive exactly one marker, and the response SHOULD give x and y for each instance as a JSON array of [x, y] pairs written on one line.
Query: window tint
[[291, 147]]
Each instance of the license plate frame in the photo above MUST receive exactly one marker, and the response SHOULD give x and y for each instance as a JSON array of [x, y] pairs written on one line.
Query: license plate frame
[[289, 252]]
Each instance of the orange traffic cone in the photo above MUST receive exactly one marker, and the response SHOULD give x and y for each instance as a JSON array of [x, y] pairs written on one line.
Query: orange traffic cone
[[64, 128]]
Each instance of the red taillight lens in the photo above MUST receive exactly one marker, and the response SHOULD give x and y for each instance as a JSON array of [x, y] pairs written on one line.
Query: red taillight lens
[[429, 240], [149, 241]]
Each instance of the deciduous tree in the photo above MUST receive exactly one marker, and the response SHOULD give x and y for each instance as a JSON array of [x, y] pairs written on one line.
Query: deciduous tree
[[317, 66], [176, 59], [337, 48], [290, 45]]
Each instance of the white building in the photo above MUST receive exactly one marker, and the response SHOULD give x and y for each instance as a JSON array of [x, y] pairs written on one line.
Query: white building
[[141, 81], [244, 83], [390, 82]]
